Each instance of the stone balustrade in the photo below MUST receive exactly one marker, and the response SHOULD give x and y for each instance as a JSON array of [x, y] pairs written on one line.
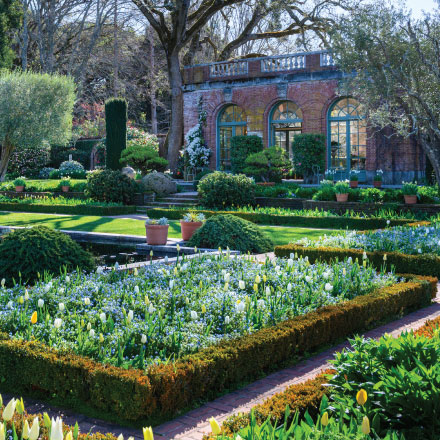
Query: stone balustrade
[[283, 63]]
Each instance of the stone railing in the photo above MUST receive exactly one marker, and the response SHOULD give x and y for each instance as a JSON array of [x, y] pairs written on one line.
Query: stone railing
[[233, 68], [283, 63], [327, 59]]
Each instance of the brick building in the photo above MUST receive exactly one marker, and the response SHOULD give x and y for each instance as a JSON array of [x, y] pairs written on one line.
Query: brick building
[[278, 97]]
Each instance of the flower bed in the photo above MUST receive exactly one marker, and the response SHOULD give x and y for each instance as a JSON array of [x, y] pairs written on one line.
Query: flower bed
[[164, 388]]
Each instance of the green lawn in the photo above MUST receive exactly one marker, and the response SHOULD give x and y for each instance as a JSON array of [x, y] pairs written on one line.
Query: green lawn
[[280, 235]]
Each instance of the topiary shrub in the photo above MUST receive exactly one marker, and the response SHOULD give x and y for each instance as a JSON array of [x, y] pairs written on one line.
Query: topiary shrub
[[308, 150], [241, 148], [28, 253], [160, 183], [72, 168], [143, 158], [229, 231], [219, 190], [111, 186], [116, 131], [269, 165]]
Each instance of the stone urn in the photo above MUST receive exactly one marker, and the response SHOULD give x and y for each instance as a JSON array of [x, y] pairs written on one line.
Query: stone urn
[[156, 234]]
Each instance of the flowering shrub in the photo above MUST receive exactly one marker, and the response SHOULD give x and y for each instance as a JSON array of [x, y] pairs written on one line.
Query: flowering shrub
[[162, 312], [378, 176], [407, 240], [45, 172], [72, 168], [136, 136], [28, 161]]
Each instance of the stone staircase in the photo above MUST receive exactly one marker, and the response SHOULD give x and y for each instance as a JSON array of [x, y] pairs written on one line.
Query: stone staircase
[[178, 200]]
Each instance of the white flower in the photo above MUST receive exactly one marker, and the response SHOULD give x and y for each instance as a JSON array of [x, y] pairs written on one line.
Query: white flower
[[136, 290], [240, 306], [26, 295], [61, 290], [289, 287], [261, 303], [92, 333], [308, 279], [257, 279], [241, 284], [47, 287], [3, 282], [130, 316], [364, 256], [227, 320], [87, 301], [135, 272], [325, 275], [67, 279], [268, 290], [116, 266], [10, 305], [166, 259], [193, 315], [289, 262], [151, 309], [227, 277], [103, 317], [388, 222], [40, 303], [61, 307], [100, 270], [328, 287], [143, 339], [171, 284], [89, 326], [57, 323], [56, 431], [419, 251]]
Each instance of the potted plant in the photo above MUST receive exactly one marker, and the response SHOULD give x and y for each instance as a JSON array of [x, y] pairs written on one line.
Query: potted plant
[[157, 231], [190, 223], [65, 185], [19, 184], [377, 180], [341, 189], [330, 175], [354, 179], [410, 191]]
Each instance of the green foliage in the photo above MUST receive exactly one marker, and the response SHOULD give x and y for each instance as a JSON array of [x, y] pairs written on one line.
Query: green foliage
[[341, 188], [10, 19], [308, 150], [110, 186], [72, 168], [28, 162], [241, 148], [80, 151], [19, 182], [402, 379], [143, 158], [326, 191], [371, 195], [429, 194], [219, 190], [27, 254], [269, 165], [34, 108], [229, 231], [116, 131], [410, 188]]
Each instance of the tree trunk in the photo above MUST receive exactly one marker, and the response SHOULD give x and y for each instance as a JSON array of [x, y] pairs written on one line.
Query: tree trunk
[[175, 133], [432, 150], [116, 51], [153, 83], [6, 152], [25, 39]]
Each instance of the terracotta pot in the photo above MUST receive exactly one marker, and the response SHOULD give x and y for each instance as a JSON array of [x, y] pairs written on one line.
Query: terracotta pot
[[266, 183], [19, 188], [65, 188], [377, 183], [410, 199], [342, 197], [354, 183], [156, 234], [188, 229]]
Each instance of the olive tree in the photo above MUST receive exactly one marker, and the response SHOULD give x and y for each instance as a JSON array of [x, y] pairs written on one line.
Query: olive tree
[[396, 60], [33, 108]]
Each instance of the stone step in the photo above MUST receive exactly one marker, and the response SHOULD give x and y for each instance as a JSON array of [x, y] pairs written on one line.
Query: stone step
[[185, 195], [162, 204], [173, 200]]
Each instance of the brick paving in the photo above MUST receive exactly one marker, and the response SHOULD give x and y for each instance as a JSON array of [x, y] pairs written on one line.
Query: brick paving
[[194, 424]]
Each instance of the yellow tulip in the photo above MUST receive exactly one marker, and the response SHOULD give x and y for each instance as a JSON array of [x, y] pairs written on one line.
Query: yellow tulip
[[255, 287], [385, 257], [26, 430], [148, 433], [120, 437], [34, 318], [19, 407], [324, 419], [69, 436], [365, 425], [34, 433], [9, 410], [1, 401], [214, 426], [21, 300], [2, 431], [361, 397], [203, 308]]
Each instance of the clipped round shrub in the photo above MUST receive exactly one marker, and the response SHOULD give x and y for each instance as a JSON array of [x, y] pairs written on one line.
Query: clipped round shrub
[[111, 186], [226, 230], [160, 183], [220, 190], [32, 251], [72, 168]]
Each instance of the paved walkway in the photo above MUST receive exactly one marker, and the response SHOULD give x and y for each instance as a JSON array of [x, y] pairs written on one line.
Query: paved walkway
[[194, 424]]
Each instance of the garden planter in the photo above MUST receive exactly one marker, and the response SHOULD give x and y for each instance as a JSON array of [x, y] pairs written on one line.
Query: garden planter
[[19, 188], [156, 234], [342, 197], [410, 199], [377, 183], [65, 189], [354, 183], [188, 229], [266, 183]]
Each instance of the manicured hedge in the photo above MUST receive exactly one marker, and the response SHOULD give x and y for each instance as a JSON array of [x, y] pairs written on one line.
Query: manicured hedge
[[166, 389], [286, 220], [416, 264], [68, 209]]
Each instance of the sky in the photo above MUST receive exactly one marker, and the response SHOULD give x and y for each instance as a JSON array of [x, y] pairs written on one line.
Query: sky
[[417, 6]]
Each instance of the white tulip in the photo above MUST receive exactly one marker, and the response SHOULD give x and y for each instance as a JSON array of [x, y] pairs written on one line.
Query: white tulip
[[89, 326], [143, 339], [151, 309], [61, 307], [67, 279], [257, 279], [9, 410], [171, 284], [92, 333], [240, 306], [308, 279], [166, 259], [136, 290], [328, 287], [289, 262], [241, 284], [120, 437], [35, 429], [130, 316], [57, 323], [194, 315], [227, 320], [56, 431], [3, 282], [10, 305], [26, 295], [48, 286], [87, 301], [261, 303], [289, 287], [227, 277], [40, 303], [61, 290], [103, 317], [268, 290]]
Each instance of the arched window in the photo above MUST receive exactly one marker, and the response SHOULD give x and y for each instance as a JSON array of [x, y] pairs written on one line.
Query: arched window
[[347, 137], [231, 122], [284, 122]]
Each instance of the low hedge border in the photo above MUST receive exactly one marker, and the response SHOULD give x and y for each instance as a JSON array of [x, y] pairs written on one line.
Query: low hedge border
[[286, 220], [68, 209], [166, 389], [403, 263]]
